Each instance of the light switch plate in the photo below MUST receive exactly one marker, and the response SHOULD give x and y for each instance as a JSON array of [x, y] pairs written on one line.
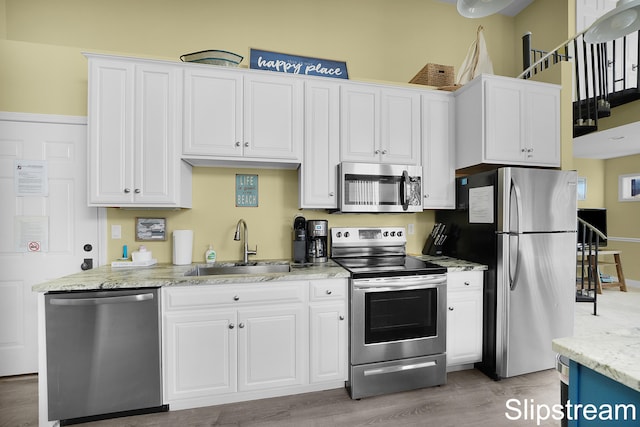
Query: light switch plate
[[116, 231], [410, 229]]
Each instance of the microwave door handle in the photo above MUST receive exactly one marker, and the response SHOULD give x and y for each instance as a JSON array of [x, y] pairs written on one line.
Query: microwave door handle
[[403, 190]]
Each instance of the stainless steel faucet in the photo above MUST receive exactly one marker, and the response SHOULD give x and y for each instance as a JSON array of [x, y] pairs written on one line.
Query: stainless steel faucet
[[236, 236]]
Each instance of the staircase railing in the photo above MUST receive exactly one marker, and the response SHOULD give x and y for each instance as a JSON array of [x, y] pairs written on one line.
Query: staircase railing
[[586, 280], [606, 74]]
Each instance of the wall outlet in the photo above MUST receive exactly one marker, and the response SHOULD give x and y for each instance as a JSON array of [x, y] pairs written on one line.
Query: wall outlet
[[410, 229], [116, 231]]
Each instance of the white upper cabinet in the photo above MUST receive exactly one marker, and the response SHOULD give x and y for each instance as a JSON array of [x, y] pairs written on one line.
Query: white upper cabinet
[[379, 124], [438, 150], [502, 120], [317, 174], [135, 135], [232, 115]]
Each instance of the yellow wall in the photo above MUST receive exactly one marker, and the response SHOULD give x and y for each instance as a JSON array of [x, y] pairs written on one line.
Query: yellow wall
[[594, 171], [622, 217]]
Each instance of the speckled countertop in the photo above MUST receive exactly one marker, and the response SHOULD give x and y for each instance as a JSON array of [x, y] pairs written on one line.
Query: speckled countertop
[[106, 277], [452, 264], [612, 354]]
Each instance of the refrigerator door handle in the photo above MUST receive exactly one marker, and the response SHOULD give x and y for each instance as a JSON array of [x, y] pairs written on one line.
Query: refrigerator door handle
[[515, 202], [514, 270]]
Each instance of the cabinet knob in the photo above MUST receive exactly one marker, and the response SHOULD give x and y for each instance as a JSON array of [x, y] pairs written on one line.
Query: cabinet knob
[[241, 325], [137, 191], [231, 326], [384, 151], [426, 196], [377, 152], [341, 317], [127, 191], [523, 150], [238, 144], [467, 283], [331, 194], [328, 292], [450, 308], [246, 144], [236, 298]]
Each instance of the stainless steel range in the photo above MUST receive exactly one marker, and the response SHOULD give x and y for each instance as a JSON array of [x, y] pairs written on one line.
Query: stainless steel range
[[397, 312]]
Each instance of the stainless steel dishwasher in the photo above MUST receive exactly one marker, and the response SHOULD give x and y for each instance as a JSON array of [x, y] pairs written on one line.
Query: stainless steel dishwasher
[[103, 354]]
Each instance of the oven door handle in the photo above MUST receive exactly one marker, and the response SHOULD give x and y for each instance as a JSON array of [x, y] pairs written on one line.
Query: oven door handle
[[399, 283]]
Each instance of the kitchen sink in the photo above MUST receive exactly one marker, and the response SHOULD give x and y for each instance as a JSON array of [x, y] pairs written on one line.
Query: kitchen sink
[[239, 268]]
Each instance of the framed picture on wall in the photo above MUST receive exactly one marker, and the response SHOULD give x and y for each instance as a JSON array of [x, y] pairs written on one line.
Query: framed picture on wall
[[151, 229]]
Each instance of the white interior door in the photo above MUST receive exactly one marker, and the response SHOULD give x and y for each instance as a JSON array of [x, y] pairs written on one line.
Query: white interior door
[[45, 224]]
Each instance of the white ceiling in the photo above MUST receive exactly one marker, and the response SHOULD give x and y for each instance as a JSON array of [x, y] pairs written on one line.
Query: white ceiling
[[607, 144], [512, 10]]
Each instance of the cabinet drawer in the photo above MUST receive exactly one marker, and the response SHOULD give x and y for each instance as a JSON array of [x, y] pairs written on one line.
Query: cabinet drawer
[[240, 294], [465, 280], [321, 290]]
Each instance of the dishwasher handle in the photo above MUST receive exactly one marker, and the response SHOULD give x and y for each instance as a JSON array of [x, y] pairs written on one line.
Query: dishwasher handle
[[101, 300]]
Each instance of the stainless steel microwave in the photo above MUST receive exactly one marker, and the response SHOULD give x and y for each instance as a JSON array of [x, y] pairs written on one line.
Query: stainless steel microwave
[[370, 187]]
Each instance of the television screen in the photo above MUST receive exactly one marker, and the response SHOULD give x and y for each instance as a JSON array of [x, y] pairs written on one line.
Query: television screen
[[597, 217]]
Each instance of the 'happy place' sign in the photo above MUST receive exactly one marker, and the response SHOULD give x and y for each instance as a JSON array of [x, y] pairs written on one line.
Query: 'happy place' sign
[[283, 63]]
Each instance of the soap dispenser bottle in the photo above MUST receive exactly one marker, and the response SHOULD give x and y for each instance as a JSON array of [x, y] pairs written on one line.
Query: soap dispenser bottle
[[210, 255]]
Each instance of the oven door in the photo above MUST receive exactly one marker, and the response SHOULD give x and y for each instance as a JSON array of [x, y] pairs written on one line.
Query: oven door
[[397, 317], [366, 187]]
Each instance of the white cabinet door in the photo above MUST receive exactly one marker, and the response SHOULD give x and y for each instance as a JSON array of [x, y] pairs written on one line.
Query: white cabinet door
[[317, 173], [438, 155], [111, 132], [271, 347], [379, 125], [400, 127], [359, 123], [199, 354], [464, 317], [157, 136], [328, 346], [542, 127], [504, 114], [273, 117], [464, 328], [135, 135], [212, 112]]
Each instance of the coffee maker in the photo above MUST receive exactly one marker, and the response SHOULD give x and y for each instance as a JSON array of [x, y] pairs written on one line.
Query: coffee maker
[[317, 250], [299, 240]]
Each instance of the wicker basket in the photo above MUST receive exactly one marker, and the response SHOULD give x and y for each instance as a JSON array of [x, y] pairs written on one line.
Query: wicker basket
[[434, 75]]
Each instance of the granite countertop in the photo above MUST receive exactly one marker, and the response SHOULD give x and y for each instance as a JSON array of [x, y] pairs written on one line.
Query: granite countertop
[[612, 354], [453, 264], [107, 277]]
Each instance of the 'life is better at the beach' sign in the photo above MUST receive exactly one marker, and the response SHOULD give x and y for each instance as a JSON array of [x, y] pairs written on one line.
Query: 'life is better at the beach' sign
[[283, 63]]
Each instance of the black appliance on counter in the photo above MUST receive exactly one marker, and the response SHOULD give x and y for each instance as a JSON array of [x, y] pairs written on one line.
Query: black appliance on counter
[[397, 309], [299, 240]]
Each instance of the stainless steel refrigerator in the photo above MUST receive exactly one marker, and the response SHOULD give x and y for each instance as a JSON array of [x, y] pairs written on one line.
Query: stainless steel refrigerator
[[520, 222]]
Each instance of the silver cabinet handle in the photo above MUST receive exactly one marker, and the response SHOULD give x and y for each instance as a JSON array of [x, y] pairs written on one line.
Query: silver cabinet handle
[[331, 194], [241, 325], [341, 317], [127, 191], [236, 298], [467, 283], [246, 144], [231, 326], [328, 292], [384, 151], [238, 144], [377, 152], [137, 191], [450, 308]]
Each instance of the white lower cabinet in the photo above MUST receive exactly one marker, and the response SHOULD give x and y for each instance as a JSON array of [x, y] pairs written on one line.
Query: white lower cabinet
[[464, 318], [328, 330], [226, 343]]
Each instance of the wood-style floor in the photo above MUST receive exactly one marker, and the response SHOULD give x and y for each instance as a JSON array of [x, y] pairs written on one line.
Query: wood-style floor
[[468, 399]]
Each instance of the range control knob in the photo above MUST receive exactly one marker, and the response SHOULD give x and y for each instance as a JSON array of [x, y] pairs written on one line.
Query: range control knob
[[385, 234], [339, 234], [399, 233], [393, 233], [346, 234]]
